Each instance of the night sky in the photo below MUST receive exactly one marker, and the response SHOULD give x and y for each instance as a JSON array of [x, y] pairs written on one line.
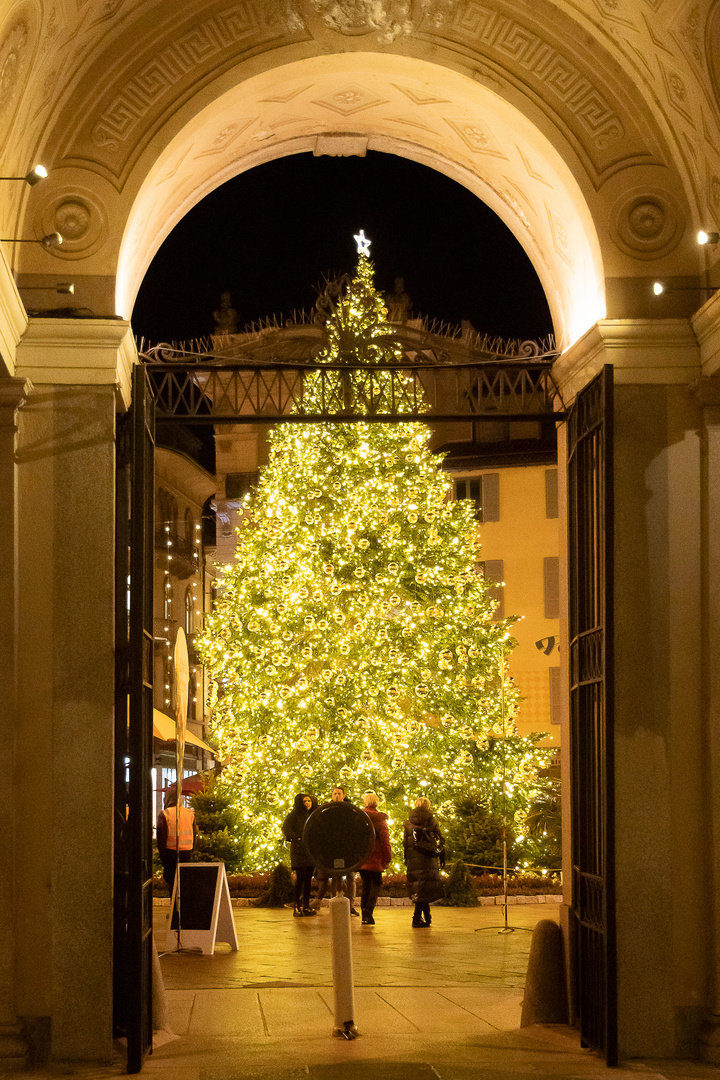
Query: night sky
[[270, 236]]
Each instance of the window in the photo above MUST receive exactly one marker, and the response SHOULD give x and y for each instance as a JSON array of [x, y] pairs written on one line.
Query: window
[[485, 491], [492, 570], [189, 611], [551, 580], [189, 522], [167, 598], [551, 493]]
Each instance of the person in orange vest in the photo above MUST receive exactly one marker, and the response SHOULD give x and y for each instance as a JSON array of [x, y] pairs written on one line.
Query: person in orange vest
[[176, 835]]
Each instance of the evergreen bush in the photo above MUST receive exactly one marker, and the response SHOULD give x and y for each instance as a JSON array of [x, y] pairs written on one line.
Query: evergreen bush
[[460, 887], [220, 836], [280, 891]]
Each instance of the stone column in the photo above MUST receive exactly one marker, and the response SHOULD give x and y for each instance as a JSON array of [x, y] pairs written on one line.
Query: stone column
[[661, 840], [13, 393], [65, 724]]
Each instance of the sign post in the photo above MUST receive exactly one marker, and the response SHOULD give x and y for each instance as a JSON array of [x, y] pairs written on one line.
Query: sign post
[[182, 681], [339, 837]]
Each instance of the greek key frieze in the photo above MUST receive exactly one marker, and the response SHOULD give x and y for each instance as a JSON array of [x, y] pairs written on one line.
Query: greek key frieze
[[525, 49], [186, 53]]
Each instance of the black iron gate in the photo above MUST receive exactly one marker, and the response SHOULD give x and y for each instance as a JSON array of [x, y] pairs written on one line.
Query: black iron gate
[[590, 553], [133, 724]]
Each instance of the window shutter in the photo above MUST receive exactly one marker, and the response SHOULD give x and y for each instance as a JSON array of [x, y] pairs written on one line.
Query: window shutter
[[551, 577], [554, 673], [491, 496], [551, 493], [493, 571]]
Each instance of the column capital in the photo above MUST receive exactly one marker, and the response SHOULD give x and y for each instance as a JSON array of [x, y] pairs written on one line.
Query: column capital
[[706, 323], [649, 351], [13, 395], [78, 352]]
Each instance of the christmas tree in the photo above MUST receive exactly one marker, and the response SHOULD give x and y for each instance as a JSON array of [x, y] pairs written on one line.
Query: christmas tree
[[353, 641]]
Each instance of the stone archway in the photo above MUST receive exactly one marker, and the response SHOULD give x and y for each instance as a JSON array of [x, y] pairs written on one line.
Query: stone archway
[[346, 104]]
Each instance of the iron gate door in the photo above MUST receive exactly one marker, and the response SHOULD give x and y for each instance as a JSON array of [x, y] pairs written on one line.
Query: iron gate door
[[134, 730], [590, 554]]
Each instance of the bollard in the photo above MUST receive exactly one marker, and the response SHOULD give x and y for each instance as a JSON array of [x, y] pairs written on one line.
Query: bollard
[[342, 965], [545, 1000]]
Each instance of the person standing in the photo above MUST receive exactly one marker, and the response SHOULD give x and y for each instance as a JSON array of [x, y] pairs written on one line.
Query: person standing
[[423, 845], [378, 860], [300, 860], [176, 835]]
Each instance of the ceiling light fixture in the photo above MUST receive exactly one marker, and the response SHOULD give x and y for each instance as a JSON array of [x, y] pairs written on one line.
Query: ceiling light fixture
[[704, 237]]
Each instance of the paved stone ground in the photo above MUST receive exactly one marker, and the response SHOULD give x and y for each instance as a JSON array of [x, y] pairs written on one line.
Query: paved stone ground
[[436, 1004]]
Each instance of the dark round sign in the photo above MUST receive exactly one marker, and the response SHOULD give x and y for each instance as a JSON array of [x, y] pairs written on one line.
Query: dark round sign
[[338, 836]]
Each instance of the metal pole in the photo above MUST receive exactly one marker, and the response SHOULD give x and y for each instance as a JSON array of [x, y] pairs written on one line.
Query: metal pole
[[342, 964], [505, 929]]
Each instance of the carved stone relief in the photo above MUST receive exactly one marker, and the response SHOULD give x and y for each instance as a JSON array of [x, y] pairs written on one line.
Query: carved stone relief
[[79, 216], [646, 224], [17, 42]]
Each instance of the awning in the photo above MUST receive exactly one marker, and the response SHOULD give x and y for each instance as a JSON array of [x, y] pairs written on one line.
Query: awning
[[164, 728]]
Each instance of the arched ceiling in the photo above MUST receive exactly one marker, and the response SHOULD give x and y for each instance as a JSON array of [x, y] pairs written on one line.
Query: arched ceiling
[[348, 103], [591, 127]]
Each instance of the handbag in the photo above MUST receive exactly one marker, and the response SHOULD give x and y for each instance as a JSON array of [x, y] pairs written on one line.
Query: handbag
[[427, 843]]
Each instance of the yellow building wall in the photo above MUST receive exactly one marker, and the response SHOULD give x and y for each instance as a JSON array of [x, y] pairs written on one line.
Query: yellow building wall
[[523, 538]]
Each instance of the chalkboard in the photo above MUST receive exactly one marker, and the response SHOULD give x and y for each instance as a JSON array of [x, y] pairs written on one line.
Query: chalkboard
[[339, 836], [198, 884], [204, 907]]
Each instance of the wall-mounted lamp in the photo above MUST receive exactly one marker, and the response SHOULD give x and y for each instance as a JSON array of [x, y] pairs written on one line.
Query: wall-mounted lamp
[[707, 237], [32, 178], [53, 239], [63, 288], [658, 288]]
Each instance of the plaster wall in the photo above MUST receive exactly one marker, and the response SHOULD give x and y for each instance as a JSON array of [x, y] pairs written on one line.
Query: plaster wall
[[64, 820]]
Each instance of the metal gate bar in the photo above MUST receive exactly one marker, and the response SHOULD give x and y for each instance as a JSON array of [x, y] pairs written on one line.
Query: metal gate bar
[[590, 528]]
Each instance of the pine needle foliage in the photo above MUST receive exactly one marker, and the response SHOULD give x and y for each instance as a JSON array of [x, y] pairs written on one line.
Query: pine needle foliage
[[460, 888], [353, 640]]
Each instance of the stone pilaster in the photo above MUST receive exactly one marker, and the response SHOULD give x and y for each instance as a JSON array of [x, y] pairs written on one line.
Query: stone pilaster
[[708, 394], [13, 394], [661, 843], [63, 916]]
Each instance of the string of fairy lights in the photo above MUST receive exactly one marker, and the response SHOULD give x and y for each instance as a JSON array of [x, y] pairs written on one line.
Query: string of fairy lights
[[353, 639]]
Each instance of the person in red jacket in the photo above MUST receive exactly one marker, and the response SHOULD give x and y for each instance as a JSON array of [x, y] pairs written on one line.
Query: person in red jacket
[[377, 861]]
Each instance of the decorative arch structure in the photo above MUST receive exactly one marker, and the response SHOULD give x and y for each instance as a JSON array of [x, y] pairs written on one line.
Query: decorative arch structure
[[593, 129]]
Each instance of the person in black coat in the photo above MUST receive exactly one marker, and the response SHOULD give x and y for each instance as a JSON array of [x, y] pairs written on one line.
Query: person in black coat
[[300, 861], [422, 835]]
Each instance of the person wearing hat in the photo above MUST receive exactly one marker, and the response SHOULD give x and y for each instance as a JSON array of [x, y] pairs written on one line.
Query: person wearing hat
[[423, 846]]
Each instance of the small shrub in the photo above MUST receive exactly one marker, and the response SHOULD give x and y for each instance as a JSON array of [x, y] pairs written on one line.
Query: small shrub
[[280, 891], [460, 887], [220, 837]]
